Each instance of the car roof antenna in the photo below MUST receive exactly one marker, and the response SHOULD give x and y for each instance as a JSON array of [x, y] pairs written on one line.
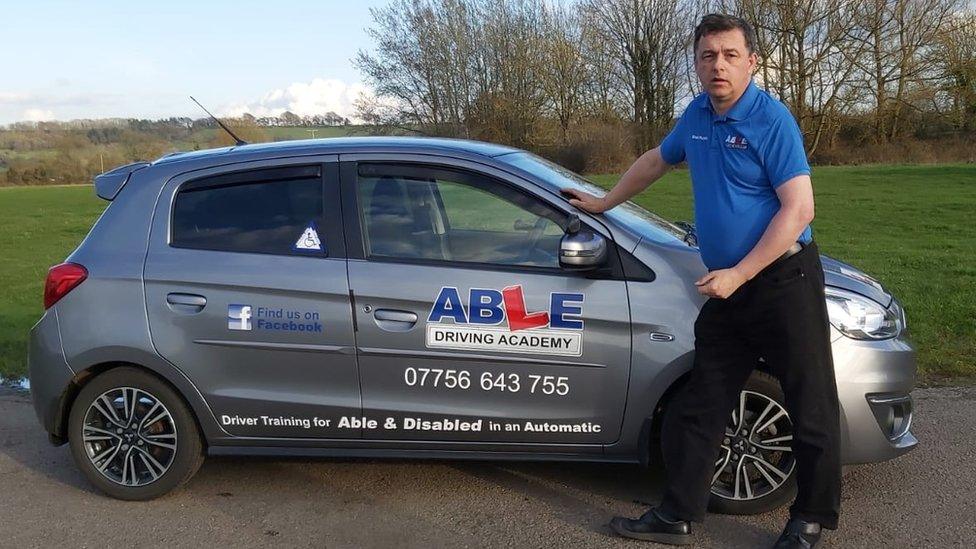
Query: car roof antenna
[[221, 124]]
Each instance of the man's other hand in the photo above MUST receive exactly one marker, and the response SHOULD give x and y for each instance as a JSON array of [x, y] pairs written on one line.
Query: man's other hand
[[586, 201], [721, 283]]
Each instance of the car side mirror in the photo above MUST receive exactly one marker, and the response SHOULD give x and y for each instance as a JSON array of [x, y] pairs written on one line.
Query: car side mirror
[[581, 250], [691, 237]]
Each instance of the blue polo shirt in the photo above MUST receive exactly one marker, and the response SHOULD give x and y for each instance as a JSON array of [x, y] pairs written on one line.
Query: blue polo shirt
[[737, 160]]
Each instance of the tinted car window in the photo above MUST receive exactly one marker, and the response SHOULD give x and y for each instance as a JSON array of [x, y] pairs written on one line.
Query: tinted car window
[[277, 211], [417, 212]]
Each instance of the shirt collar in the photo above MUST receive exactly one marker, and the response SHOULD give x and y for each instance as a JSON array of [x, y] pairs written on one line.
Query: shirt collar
[[741, 107]]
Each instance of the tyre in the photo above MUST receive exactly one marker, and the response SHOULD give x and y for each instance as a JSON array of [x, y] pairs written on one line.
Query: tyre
[[133, 436], [755, 471]]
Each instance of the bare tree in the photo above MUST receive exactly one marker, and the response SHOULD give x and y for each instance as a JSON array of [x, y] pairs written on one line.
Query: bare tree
[[413, 61], [650, 38], [899, 37], [605, 95], [510, 101], [460, 67], [564, 75], [957, 49], [806, 58]]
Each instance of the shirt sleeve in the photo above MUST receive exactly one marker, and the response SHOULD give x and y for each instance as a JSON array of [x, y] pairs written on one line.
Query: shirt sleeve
[[673, 145], [783, 155]]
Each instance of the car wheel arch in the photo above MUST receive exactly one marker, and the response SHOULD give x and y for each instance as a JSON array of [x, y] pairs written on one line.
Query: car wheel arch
[[85, 376], [650, 434]]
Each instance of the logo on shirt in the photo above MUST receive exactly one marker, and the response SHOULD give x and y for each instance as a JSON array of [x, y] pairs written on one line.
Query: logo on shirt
[[736, 142], [699, 137]]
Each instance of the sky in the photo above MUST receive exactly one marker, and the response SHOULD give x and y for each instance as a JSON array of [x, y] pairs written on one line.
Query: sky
[[139, 59]]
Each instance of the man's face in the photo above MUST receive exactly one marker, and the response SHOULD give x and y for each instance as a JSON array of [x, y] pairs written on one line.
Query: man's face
[[724, 64]]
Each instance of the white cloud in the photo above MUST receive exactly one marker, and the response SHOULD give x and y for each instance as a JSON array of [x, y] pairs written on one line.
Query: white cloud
[[320, 96], [37, 115]]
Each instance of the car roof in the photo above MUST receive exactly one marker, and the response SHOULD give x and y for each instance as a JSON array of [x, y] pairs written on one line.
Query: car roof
[[338, 145]]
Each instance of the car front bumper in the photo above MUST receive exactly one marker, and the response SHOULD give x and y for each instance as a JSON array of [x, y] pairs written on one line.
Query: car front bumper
[[874, 384]]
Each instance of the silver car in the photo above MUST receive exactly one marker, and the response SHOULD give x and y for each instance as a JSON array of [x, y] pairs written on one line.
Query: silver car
[[407, 297]]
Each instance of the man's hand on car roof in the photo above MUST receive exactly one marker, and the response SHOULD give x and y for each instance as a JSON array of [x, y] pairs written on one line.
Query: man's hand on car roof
[[586, 201]]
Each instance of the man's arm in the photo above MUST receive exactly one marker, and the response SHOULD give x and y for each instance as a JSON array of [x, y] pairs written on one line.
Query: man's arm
[[795, 213], [645, 170]]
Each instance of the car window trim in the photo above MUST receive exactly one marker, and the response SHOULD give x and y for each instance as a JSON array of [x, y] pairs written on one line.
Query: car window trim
[[251, 176], [479, 266]]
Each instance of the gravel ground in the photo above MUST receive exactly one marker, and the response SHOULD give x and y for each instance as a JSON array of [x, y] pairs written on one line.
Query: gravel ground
[[923, 499]]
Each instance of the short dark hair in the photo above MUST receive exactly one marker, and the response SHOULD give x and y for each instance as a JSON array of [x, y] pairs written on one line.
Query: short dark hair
[[720, 22]]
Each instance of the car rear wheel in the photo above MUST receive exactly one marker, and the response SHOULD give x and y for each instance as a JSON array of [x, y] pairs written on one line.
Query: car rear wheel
[[755, 470], [133, 436]]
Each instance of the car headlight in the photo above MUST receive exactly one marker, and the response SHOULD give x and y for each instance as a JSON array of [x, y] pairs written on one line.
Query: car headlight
[[858, 317]]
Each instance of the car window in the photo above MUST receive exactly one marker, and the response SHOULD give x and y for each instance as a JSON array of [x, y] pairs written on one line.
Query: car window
[[276, 211], [418, 212], [650, 226]]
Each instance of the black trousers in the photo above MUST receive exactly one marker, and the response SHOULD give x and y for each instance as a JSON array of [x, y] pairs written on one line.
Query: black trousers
[[781, 316]]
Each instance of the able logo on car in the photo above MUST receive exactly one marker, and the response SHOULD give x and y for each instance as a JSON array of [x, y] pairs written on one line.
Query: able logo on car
[[481, 325]]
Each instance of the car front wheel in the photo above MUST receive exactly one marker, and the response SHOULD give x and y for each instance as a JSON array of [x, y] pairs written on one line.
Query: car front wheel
[[133, 436], [755, 470]]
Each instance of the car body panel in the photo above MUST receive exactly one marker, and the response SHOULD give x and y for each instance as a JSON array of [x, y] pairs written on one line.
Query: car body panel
[[841, 275], [866, 368], [48, 370], [659, 362], [594, 380]]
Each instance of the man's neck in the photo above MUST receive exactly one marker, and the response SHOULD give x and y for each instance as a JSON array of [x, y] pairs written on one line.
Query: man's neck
[[722, 106]]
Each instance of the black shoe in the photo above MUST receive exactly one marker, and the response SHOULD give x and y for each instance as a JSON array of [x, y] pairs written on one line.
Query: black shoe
[[799, 534], [653, 527]]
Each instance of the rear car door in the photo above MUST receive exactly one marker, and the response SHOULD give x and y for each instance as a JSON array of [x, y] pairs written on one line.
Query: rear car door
[[247, 294], [468, 329]]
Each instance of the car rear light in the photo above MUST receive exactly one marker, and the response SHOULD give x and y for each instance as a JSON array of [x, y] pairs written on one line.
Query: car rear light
[[61, 279]]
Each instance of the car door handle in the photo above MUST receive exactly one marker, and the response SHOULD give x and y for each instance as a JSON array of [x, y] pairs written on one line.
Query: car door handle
[[393, 320], [186, 303], [395, 316]]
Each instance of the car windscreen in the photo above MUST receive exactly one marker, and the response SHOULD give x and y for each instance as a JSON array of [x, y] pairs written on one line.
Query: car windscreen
[[649, 225]]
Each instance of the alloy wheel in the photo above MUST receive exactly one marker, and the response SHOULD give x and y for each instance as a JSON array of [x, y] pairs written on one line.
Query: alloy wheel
[[129, 436], [756, 456]]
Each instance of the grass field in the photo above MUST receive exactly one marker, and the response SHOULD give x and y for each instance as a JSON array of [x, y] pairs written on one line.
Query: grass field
[[910, 226], [39, 226]]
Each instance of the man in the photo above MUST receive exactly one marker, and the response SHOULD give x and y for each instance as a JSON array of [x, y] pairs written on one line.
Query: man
[[753, 205]]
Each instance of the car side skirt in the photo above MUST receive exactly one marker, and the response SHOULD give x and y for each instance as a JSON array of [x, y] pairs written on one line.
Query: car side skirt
[[284, 451]]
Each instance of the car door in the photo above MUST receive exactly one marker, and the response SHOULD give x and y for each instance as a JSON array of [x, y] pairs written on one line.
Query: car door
[[468, 329], [247, 294]]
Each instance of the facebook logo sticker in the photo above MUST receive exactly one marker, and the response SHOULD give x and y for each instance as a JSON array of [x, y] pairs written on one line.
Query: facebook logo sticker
[[238, 317]]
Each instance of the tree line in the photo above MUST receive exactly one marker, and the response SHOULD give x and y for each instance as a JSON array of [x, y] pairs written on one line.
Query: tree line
[[591, 83]]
